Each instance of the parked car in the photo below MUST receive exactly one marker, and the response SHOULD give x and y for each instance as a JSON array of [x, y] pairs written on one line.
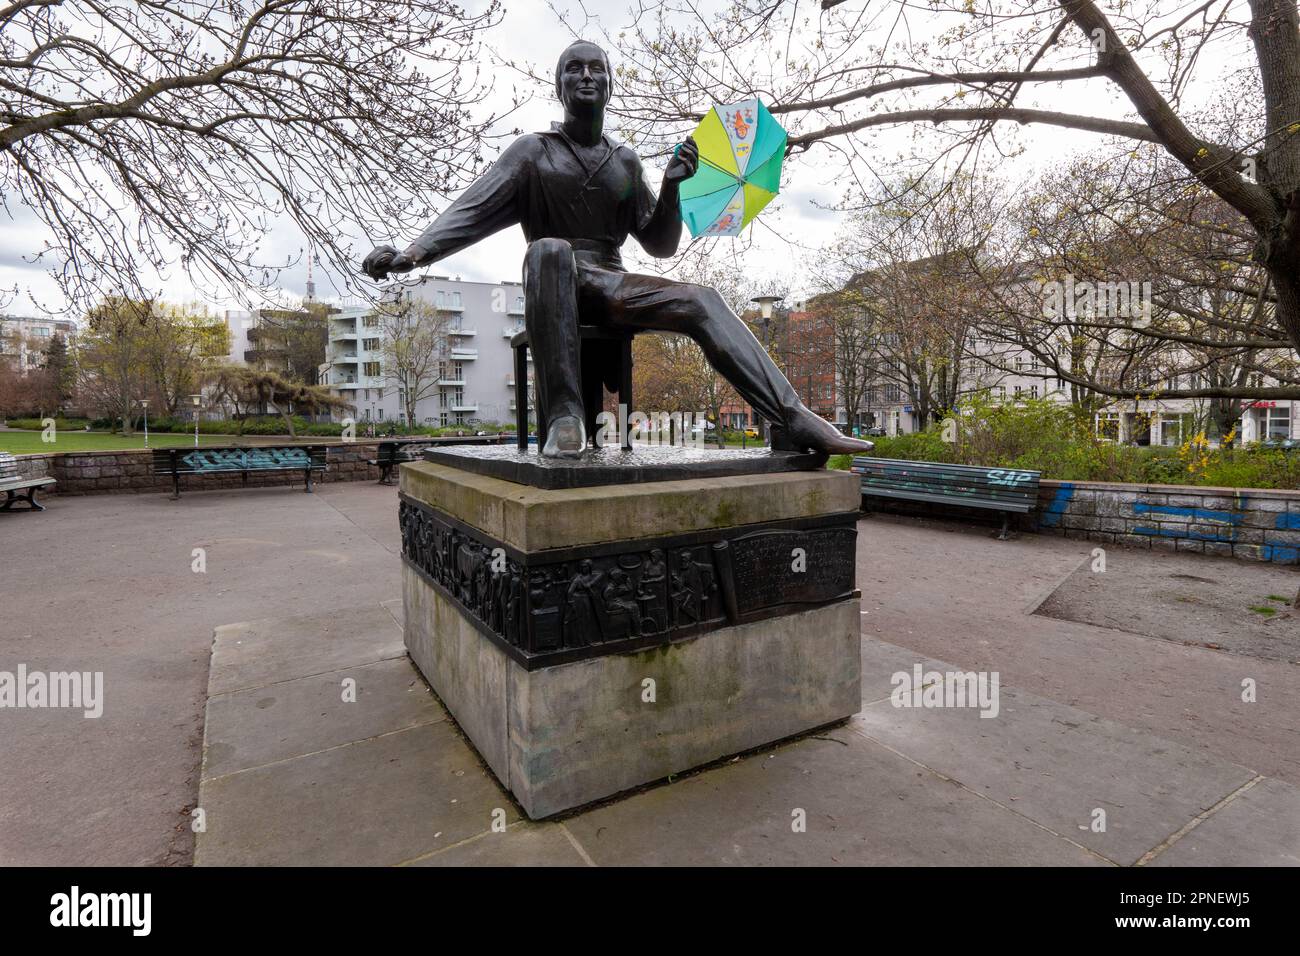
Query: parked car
[[875, 431]]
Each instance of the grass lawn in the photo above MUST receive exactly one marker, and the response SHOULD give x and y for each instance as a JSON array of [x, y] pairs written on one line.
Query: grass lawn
[[29, 442]]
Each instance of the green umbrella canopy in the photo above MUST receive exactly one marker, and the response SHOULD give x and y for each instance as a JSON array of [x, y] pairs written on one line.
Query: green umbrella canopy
[[741, 149]]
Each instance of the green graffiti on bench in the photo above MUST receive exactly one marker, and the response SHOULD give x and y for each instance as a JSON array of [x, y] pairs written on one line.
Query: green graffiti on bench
[[247, 459]]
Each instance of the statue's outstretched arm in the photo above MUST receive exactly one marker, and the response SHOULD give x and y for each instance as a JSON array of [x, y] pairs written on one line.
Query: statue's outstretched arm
[[489, 205]]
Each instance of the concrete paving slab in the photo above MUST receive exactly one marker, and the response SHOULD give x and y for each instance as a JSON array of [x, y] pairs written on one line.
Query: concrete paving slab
[[377, 802], [1057, 764], [882, 660], [522, 844], [260, 725], [1239, 606], [395, 608], [972, 608], [1258, 827], [119, 593], [863, 806], [256, 653]]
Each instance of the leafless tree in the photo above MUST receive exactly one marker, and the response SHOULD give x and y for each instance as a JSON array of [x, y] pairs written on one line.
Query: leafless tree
[[149, 134], [1199, 322], [415, 348], [908, 267], [835, 71]]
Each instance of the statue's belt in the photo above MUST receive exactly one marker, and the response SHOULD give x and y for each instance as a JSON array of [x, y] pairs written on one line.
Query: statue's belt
[[593, 245]]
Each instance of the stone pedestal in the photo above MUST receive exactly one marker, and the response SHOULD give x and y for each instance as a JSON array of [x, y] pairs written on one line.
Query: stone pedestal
[[591, 640]]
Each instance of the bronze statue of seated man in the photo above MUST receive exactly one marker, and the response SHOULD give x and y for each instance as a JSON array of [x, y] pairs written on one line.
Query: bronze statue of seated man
[[578, 195]]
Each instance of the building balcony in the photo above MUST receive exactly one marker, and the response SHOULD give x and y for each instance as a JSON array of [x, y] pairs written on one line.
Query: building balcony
[[451, 383], [510, 331], [463, 355], [464, 408], [462, 332]]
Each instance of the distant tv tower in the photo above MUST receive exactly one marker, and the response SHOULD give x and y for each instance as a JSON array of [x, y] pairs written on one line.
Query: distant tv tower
[[311, 284]]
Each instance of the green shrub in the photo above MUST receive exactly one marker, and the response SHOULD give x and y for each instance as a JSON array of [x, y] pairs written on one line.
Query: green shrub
[[36, 424], [1042, 435], [926, 445]]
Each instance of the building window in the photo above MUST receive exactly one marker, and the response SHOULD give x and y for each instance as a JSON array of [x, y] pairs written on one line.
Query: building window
[[455, 300], [371, 369], [1277, 422], [370, 345], [370, 321]]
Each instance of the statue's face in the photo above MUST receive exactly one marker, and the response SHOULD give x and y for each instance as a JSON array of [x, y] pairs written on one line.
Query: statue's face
[[582, 79]]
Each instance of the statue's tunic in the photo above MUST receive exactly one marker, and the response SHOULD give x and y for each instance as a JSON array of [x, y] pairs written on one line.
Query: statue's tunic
[[554, 190]]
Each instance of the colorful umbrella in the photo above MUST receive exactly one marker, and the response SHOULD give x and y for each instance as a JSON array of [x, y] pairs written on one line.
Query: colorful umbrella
[[741, 148]]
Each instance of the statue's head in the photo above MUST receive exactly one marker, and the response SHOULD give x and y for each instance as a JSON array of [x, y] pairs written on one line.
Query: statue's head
[[582, 79]]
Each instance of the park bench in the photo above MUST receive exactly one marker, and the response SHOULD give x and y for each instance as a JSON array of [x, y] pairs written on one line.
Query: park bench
[[219, 461], [997, 489], [398, 450], [393, 453], [18, 488]]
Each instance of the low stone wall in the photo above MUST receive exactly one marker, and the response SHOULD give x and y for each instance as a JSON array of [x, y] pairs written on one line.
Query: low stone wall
[[104, 472], [1252, 524], [1249, 523]]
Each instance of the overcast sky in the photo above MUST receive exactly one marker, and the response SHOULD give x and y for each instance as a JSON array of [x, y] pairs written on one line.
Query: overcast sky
[[776, 247]]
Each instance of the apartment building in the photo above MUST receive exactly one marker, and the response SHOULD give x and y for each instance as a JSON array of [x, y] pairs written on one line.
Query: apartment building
[[24, 339], [476, 382], [1010, 374]]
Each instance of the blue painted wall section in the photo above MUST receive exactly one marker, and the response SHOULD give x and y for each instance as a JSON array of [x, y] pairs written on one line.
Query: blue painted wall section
[[1252, 525], [1060, 503], [1214, 525], [1283, 553]]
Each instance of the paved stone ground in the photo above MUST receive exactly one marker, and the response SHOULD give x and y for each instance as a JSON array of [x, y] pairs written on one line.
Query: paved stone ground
[[1233, 605], [301, 592]]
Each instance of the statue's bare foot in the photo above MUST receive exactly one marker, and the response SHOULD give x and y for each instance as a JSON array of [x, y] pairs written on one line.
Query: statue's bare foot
[[812, 432], [566, 437]]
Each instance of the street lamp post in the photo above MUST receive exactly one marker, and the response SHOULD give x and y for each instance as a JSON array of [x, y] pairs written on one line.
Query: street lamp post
[[195, 400], [765, 306], [144, 403]]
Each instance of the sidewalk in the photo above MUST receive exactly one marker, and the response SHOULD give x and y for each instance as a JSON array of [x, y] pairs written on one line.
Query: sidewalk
[[1151, 731]]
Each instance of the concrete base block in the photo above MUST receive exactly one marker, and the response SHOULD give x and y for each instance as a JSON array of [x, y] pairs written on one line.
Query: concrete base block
[[565, 735]]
